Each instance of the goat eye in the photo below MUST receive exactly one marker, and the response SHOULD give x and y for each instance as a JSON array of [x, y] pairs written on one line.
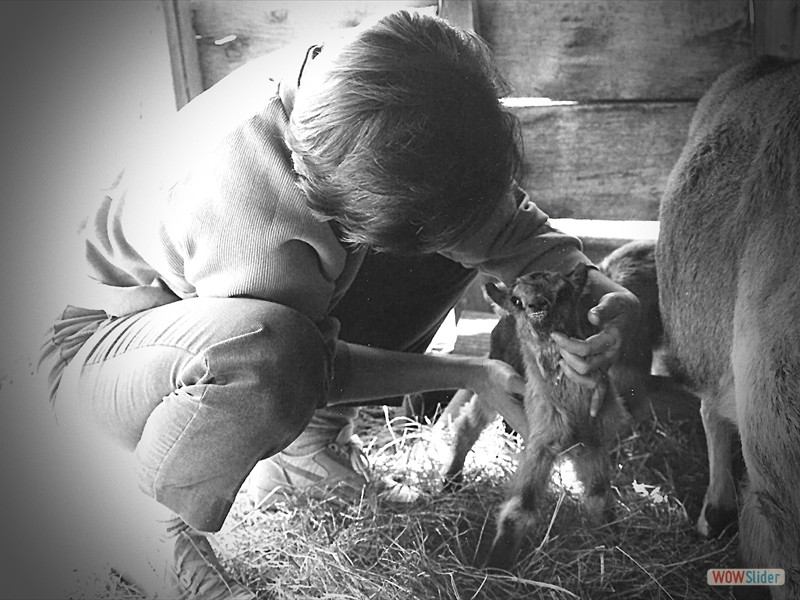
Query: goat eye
[[516, 302]]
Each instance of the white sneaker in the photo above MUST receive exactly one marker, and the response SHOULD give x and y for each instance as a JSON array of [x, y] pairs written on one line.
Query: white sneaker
[[315, 465]]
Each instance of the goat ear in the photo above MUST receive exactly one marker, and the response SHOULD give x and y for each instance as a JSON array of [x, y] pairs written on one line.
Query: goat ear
[[578, 276], [497, 296]]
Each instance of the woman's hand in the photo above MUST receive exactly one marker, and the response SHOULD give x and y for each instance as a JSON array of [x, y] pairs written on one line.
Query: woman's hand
[[496, 384], [586, 362]]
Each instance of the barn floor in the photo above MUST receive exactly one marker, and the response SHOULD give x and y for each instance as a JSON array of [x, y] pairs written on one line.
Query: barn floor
[[378, 548], [382, 549]]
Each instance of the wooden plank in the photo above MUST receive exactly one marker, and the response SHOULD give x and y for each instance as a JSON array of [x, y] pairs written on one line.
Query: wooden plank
[[608, 230], [615, 49], [233, 32], [186, 76], [463, 13], [776, 27], [473, 332], [604, 161], [600, 237]]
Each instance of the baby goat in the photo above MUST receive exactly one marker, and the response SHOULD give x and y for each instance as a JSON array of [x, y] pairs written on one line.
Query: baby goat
[[633, 266], [557, 409]]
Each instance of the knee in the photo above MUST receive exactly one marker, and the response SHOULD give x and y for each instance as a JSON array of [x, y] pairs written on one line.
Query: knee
[[281, 364], [298, 369]]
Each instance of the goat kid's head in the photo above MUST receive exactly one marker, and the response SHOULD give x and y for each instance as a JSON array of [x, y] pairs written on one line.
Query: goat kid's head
[[544, 301]]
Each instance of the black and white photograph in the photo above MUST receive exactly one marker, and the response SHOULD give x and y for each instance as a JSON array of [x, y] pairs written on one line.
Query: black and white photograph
[[400, 299]]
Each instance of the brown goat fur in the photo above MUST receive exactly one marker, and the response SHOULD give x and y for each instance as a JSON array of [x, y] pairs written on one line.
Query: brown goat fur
[[556, 408], [729, 286], [632, 266]]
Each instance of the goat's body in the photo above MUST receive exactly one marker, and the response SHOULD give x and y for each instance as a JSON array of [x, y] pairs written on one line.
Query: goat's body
[[556, 408], [632, 266], [727, 259], [561, 427]]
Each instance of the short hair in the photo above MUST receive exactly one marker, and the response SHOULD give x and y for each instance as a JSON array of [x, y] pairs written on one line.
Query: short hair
[[403, 142]]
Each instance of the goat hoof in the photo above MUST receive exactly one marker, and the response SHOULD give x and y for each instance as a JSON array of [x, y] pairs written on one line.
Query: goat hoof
[[714, 520], [498, 560]]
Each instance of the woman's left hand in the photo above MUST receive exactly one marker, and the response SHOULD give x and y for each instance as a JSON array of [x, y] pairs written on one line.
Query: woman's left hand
[[586, 362]]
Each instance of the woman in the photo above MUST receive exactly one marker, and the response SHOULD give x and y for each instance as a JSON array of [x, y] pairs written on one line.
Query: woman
[[289, 249]]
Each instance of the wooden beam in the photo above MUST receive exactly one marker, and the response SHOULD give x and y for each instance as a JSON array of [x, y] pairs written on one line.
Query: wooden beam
[[462, 13], [186, 76], [776, 28], [600, 229]]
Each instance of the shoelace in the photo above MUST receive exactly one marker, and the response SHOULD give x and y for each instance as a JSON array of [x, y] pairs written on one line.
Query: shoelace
[[346, 444]]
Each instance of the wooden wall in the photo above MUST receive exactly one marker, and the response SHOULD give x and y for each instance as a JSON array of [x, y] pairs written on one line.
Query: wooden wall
[[634, 67], [627, 75], [615, 49], [262, 26]]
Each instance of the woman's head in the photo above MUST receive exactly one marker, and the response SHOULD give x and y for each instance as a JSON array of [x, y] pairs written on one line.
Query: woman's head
[[399, 135]]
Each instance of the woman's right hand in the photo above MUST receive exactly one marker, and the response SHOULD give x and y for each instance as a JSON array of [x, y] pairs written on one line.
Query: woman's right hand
[[497, 383]]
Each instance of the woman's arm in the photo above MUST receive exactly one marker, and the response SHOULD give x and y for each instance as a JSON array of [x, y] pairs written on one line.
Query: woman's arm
[[364, 373]]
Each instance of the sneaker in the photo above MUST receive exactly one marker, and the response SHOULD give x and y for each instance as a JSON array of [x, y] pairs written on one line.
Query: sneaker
[[314, 466], [189, 568]]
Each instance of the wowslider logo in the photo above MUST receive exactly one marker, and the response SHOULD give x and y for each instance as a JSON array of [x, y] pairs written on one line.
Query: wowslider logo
[[746, 577]]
